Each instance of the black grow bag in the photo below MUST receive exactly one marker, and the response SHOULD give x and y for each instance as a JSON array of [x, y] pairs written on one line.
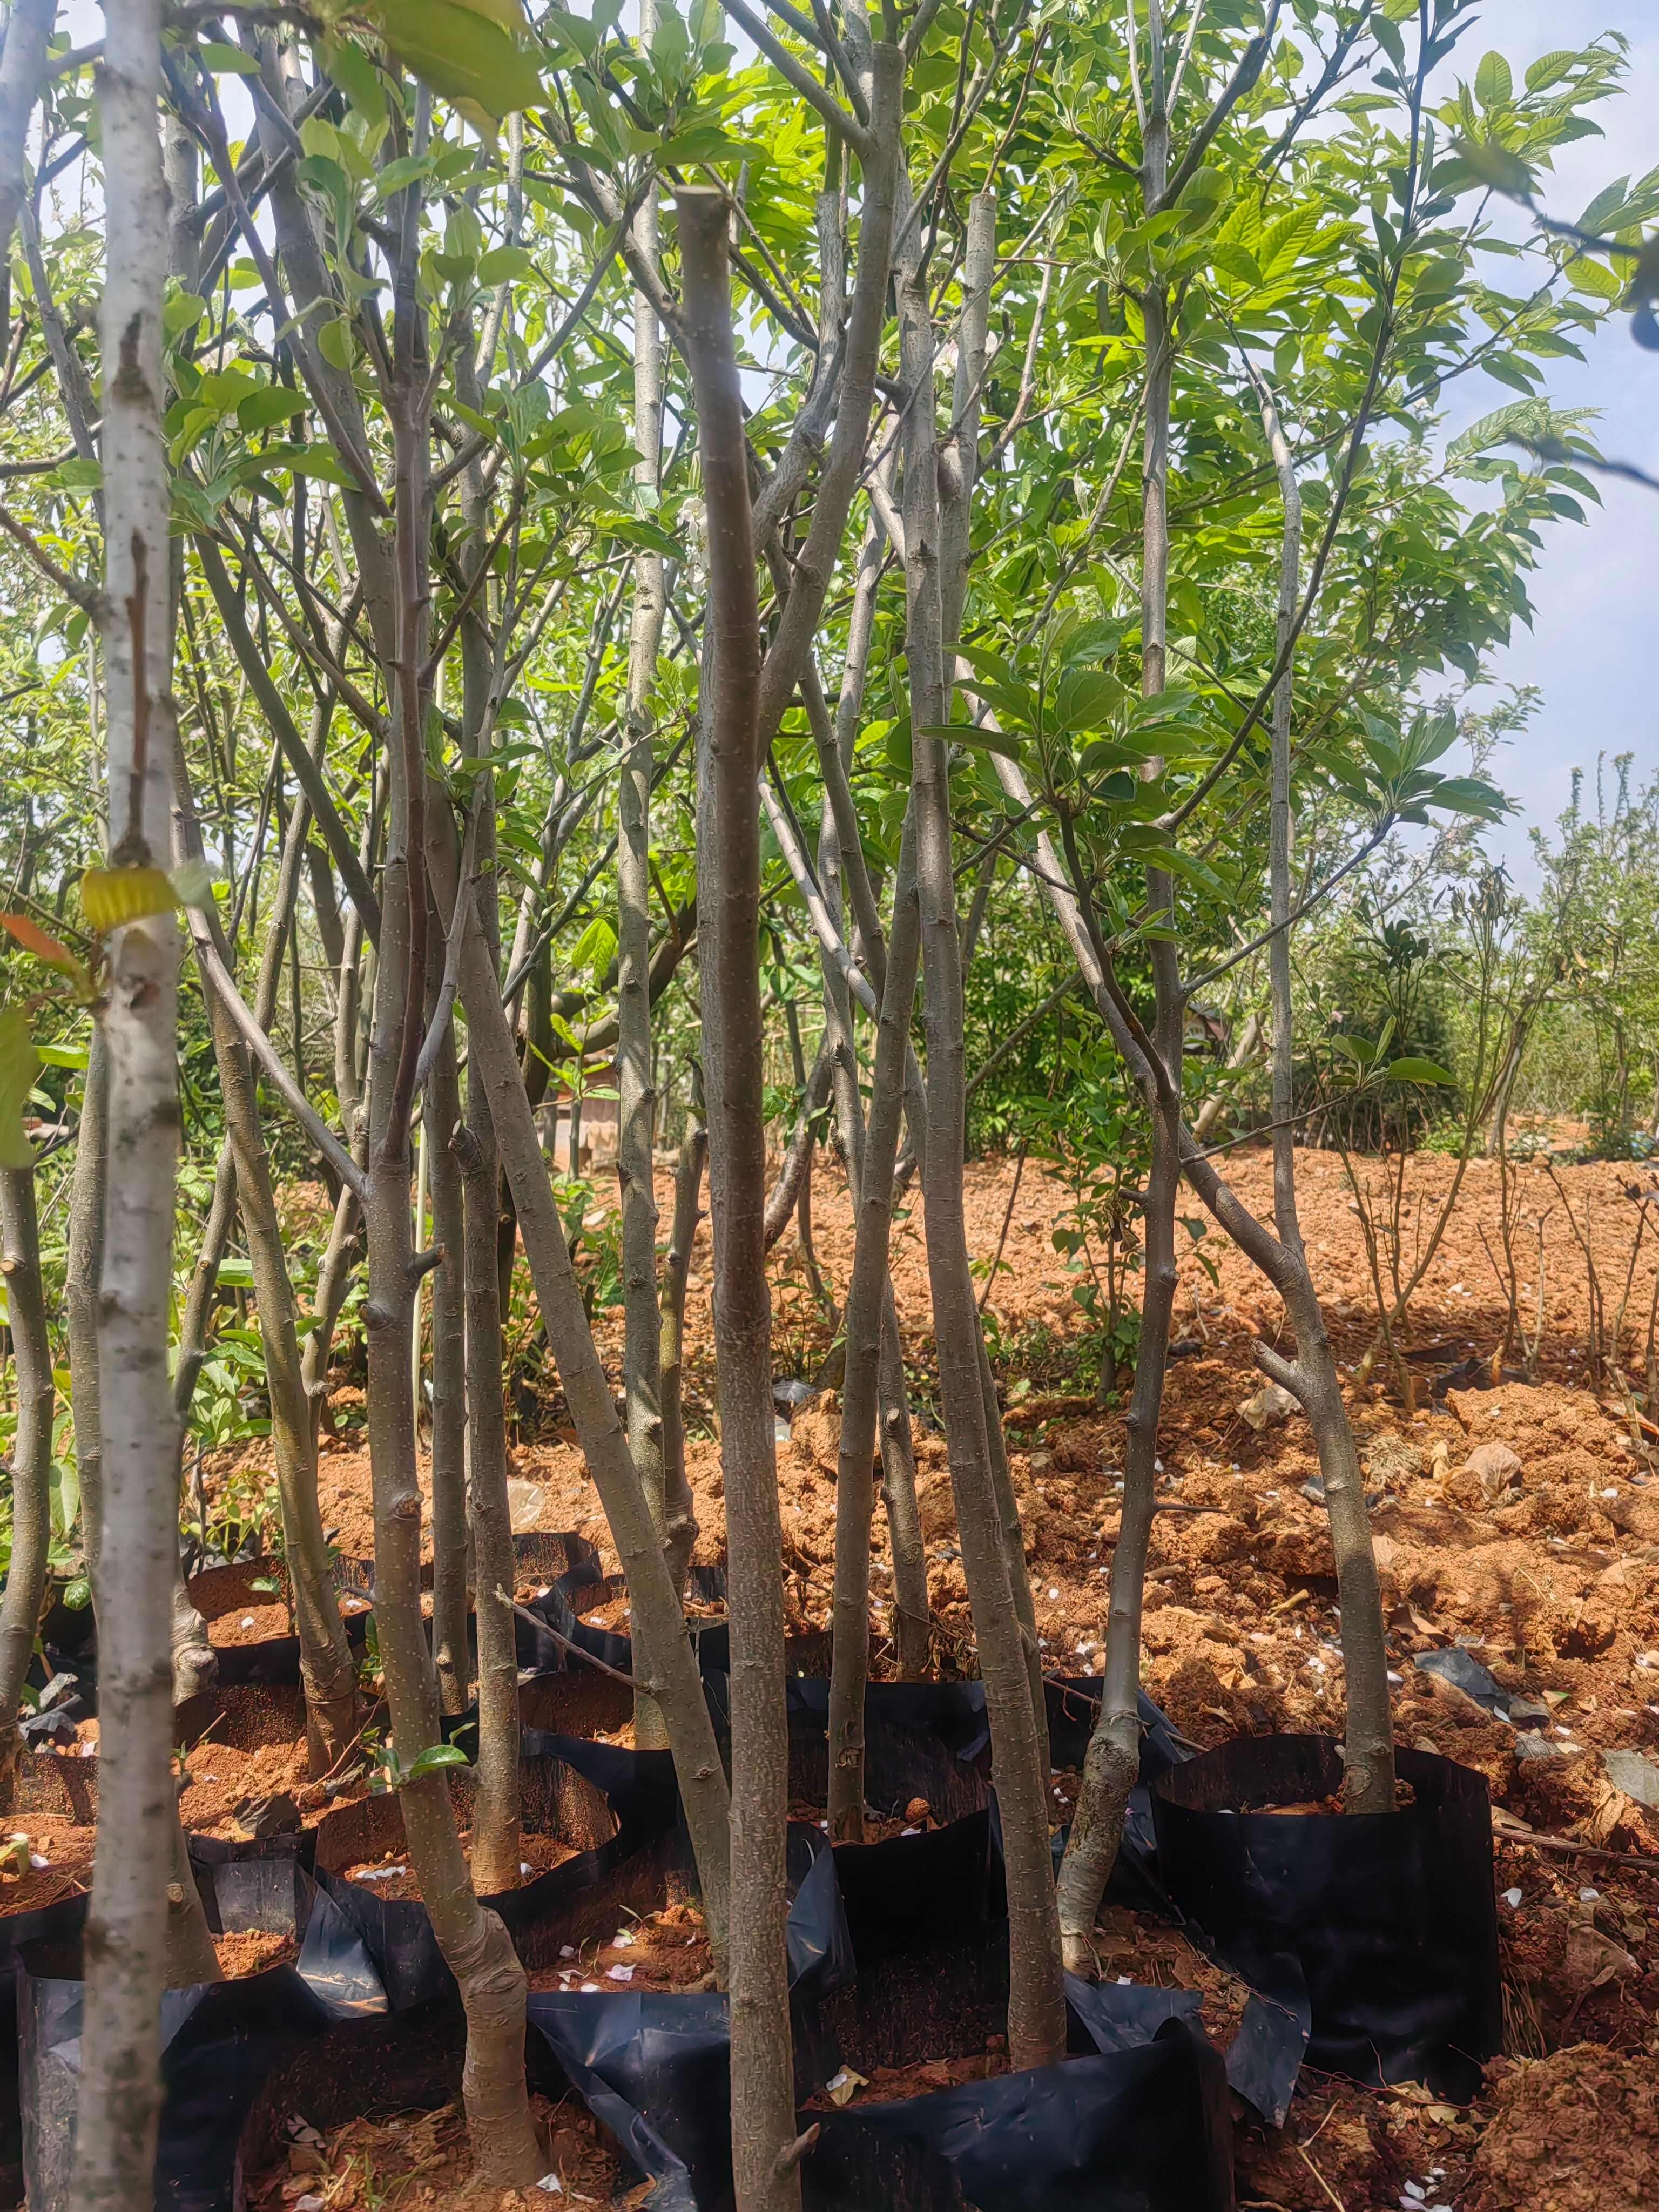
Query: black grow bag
[[42, 1782], [618, 1808], [1382, 1926], [220, 2039], [1143, 2128], [578, 1590], [655, 2068]]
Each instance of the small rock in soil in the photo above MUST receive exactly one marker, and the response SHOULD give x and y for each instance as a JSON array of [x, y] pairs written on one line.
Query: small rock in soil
[[1634, 1774]]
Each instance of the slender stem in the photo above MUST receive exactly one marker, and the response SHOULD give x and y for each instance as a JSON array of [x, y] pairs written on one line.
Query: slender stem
[[728, 907]]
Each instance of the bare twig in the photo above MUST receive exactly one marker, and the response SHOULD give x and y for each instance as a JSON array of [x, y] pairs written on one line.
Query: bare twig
[[565, 1642]]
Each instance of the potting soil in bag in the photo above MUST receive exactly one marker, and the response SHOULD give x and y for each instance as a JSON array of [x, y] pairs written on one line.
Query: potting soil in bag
[[618, 1811]]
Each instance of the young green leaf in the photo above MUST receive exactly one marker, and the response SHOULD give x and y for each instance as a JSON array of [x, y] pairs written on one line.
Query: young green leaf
[[227, 60], [274, 404], [503, 263], [435, 1756]]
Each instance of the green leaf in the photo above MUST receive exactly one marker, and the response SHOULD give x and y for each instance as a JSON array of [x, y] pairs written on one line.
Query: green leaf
[[969, 733], [1087, 699], [1234, 260], [357, 76], [334, 342], [1411, 1070], [594, 948], [181, 310], [403, 171], [1594, 277], [1497, 166], [462, 55], [264, 409], [1507, 370], [321, 462], [1469, 794], [1493, 84], [77, 474], [73, 1056], [435, 1756], [1549, 69], [236, 1274], [503, 263], [18, 1062], [77, 1595], [226, 60], [64, 1486]]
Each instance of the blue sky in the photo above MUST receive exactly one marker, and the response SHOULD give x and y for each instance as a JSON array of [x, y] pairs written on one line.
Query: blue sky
[[1597, 592]]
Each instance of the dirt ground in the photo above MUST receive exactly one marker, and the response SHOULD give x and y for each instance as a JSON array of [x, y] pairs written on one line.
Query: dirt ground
[[1541, 1559], [420, 2162]]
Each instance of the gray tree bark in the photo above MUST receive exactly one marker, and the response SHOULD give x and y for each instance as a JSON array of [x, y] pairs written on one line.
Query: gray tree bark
[[31, 1450], [327, 1671], [22, 64], [1368, 1777], [127, 1926], [728, 914], [636, 1107], [82, 1279], [1037, 2009]]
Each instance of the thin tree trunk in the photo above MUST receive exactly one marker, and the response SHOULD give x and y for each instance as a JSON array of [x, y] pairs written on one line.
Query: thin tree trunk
[[663, 1656], [127, 1923], [83, 1276], [1245, 1053], [728, 913], [1368, 1771], [680, 1507], [203, 1291], [31, 1450], [1013, 1546], [636, 1097], [449, 1385], [1113, 1756], [475, 1944], [496, 1820], [1036, 2009], [913, 1619], [869, 1298], [22, 62], [345, 1245], [327, 1671], [496, 1816], [340, 1257]]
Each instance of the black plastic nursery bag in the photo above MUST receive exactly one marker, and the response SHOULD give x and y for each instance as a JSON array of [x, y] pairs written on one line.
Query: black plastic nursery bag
[[220, 2039], [1384, 1925], [656, 2068]]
